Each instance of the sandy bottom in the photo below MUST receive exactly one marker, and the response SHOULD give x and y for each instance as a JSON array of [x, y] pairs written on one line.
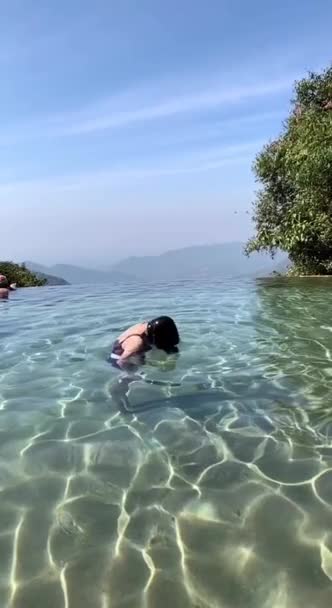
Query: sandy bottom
[[130, 511], [214, 494]]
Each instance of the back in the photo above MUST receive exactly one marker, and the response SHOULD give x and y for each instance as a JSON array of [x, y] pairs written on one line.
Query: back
[[135, 330], [4, 293]]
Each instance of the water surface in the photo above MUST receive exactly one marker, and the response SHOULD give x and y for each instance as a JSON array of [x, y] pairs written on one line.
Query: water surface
[[214, 493]]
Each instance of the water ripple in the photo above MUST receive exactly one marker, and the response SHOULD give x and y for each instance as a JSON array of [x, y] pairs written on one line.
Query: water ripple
[[213, 491]]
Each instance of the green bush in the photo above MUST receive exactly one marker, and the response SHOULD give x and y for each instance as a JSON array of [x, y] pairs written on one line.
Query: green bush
[[293, 210], [20, 275]]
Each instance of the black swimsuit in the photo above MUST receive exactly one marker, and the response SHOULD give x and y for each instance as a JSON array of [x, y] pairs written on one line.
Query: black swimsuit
[[118, 350]]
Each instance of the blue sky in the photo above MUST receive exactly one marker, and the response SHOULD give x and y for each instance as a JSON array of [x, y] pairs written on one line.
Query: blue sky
[[130, 127]]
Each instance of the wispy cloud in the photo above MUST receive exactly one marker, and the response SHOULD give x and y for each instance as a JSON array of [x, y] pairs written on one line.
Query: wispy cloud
[[208, 160], [141, 107], [200, 101]]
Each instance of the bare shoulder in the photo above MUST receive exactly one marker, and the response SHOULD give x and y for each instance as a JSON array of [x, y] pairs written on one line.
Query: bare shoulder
[[133, 331], [131, 346], [133, 342]]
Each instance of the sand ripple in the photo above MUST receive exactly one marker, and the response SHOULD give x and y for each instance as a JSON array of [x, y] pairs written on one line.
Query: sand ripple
[[215, 494]]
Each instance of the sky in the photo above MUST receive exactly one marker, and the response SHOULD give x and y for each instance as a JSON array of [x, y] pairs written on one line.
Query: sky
[[130, 128]]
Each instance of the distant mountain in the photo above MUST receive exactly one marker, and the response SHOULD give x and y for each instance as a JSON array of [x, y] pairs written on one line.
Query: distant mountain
[[200, 262], [50, 279], [77, 274], [35, 267]]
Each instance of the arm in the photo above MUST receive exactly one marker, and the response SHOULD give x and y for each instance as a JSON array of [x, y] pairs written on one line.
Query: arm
[[132, 346]]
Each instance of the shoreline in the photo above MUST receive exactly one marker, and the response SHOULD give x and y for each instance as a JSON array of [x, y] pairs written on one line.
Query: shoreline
[[297, 279]]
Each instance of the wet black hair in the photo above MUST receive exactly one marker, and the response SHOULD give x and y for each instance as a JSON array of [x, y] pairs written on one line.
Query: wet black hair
[[163, 333], [4, 284]]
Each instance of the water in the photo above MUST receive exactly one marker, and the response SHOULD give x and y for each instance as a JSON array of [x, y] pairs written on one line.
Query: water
[[216, 493]]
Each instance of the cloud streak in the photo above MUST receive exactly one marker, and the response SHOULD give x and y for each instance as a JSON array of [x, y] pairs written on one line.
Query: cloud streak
[[201, 101], [142, 107], [208, 160]]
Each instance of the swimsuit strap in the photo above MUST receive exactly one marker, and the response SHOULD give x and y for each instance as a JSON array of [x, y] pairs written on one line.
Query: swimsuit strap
[[142, 336]]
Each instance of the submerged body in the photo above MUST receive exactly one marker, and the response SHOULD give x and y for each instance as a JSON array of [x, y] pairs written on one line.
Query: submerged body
[[161, 333], [4, 293], [5, 287]]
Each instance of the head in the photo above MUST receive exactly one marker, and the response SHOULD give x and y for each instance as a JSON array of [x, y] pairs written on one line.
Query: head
[[162, 333], [3, 282]]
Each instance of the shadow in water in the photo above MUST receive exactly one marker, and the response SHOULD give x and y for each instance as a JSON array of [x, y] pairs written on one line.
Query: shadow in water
[[249, 400], [122, 392]]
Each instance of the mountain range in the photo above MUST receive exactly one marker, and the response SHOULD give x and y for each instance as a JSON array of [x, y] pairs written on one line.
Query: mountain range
[[219, 261], [200, 262], [49, 278], [77, 274]]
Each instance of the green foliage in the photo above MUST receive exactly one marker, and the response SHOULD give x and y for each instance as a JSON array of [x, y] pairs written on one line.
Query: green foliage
[[20, 275], [293, 210]]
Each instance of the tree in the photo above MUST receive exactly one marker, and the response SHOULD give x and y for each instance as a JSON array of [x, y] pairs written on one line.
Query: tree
[[293, 210], [20, 275]]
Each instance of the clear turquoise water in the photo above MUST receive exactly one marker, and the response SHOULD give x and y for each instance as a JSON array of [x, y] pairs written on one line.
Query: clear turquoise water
[[216, 493]]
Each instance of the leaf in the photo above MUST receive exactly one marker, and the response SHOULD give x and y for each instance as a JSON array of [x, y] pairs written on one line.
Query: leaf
[[293, 210]]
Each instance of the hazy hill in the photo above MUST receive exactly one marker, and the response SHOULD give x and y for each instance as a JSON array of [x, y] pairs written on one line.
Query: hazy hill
[[20, 275], [199, 262], [50, 279], [206, 261], [77, 274]]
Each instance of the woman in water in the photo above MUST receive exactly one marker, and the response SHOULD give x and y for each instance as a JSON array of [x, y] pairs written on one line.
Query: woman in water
[[160, 333], [5, 288]]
